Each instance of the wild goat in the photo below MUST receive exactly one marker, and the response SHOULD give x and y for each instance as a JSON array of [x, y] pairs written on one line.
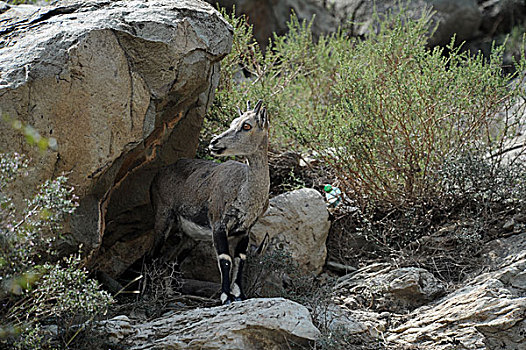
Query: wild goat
[[219, 201]]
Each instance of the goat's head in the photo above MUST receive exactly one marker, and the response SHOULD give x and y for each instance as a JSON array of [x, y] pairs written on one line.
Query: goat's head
[[246, 134]]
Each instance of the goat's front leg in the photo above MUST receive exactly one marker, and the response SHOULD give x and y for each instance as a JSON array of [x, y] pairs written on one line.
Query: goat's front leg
[[224, 260], [240, 255]]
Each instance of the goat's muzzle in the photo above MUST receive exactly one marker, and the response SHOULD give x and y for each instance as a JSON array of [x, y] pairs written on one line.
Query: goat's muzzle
[[214, 148]]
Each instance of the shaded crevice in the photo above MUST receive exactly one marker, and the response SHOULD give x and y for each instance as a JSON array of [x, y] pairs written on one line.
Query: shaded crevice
[[130, 163], [211, 89]]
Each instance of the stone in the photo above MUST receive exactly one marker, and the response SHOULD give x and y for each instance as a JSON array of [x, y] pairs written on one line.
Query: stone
[[201, 263], [382, 287], [504, 251], [486, 313], [4, 6], [298, 223], [255, 324], [501, 15], [123, 87], [116, 329], [367, 325]]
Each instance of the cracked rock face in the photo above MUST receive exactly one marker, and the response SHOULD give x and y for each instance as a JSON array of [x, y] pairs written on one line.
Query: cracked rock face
[[488, 313], [461, 17], [123, 87], [254, 324]]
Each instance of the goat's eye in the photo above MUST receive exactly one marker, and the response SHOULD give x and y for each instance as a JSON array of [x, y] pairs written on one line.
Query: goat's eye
[[247, 126]]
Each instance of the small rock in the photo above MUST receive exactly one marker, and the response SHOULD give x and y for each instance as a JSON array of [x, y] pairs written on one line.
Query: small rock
[[366, 324], [115, 329], [385, 288], [508, 226]]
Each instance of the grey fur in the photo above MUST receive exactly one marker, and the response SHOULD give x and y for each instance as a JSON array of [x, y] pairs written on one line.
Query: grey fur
[[225, 199]]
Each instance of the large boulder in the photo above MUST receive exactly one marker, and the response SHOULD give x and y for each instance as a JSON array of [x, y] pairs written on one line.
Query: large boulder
[[298, 223], [123, 86], [254, 324]]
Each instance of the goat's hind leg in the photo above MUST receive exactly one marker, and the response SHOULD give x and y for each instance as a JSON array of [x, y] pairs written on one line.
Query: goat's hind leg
[[164, 222], [240, 255], [224, 260]]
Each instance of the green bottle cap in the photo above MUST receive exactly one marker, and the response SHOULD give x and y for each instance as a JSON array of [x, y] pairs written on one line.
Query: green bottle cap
[[327, 188]]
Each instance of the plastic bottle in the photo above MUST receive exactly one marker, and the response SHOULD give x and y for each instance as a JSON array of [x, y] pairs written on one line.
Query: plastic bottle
[[333, 195]]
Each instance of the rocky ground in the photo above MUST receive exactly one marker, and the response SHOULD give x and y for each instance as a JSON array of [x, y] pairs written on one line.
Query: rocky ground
[[379, 306]]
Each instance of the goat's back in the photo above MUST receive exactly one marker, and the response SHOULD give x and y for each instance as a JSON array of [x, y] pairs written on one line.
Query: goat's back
[[190, 186]]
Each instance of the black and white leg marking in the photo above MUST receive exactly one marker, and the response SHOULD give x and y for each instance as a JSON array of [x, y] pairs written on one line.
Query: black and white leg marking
[[225, 265], [239, 262], [224, 261]]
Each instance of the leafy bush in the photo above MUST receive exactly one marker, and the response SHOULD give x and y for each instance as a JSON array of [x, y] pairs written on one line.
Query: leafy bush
[[41, 301], [384, 112]]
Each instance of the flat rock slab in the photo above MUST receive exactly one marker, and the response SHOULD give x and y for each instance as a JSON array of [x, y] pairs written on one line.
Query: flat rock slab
[[255, 324]]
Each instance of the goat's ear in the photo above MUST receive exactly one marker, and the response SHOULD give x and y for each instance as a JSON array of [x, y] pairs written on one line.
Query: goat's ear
[[262, 118]]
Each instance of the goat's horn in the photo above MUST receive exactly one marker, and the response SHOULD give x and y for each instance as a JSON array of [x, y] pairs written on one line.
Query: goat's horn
[[258, 106], [248, 105], [239, 111]]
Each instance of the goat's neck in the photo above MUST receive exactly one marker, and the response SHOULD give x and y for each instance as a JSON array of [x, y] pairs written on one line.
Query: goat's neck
[[258, 171]]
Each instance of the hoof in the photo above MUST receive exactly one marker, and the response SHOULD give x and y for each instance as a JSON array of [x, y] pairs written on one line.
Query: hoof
[[240, 298], [227, 299]]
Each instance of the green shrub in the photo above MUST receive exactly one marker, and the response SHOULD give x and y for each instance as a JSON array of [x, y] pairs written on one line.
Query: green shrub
[[43, 300], [384, 112]]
